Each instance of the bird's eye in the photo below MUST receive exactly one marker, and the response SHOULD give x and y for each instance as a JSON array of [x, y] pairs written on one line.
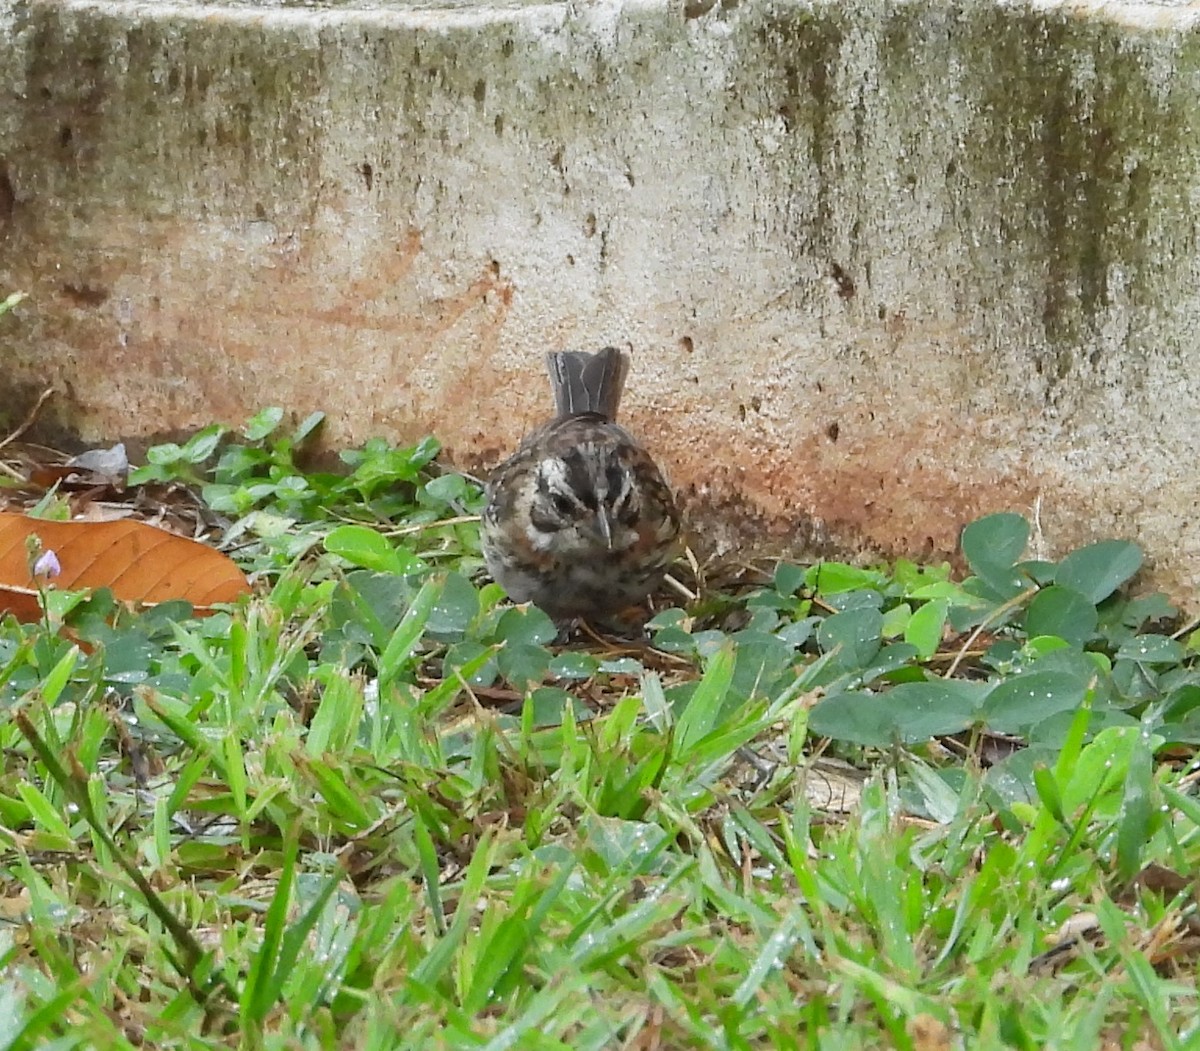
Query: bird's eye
[[618, 483], [561, 504]]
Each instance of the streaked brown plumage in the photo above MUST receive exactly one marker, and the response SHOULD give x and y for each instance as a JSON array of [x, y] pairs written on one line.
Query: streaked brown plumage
[[579, 520]]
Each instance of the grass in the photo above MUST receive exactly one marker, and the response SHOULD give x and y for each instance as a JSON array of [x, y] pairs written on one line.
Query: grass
[[375, 807]]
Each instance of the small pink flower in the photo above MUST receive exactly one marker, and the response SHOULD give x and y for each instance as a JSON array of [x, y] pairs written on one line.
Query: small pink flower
[[47, 565]]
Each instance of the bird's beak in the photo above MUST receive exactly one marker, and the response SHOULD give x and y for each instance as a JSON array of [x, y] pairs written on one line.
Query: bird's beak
[[605, 527]]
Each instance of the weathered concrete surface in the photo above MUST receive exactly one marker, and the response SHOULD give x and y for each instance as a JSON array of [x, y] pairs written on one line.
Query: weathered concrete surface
[[883, 265]]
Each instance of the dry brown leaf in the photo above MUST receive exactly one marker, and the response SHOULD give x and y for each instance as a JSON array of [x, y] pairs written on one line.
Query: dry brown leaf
[[1165, 882], [929, 1033], [139, 563], [833, 786]]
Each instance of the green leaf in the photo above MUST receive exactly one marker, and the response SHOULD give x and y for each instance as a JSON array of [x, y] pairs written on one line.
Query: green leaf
[[164, 455], [858, 598], [1136, 680], [503, 947], [262, 423], [1152, 649], [523, 664], [456, 607], [762, 660], [376, 601], [1039, 571], [259, 992], [409, 631], [992, 546], [771, 957], [32, 1031], [528, 625], [365, 547], [201, 445], [1183, 700], [448, 488], [943, 589], [1137, 810], [1096, 571], [11, 301], [895, 620], [926, 627], [1101, 767], [622, 846], [941, 790], [436, 961], [430, 870], [1021, 702], [45, 815], [335, 723], [704, 706], [831, 578], [1047, 790], [573, 666], [234, 769], [1064, 612], [1155, 606], [361, 546], [1053, 731], [798, 632], [909, 713], [789, 578], [548, 705], [474, 661], [291, 486], [345, 803], [306, 426], [855, 634], [1041, 645], [675, 640], [298, 936], [58, 676], [891, 659]]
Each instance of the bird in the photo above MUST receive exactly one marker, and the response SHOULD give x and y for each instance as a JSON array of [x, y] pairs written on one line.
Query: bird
[[580, 520]]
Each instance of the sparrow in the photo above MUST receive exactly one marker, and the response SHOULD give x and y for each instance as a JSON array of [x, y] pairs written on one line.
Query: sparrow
[[579, 520]]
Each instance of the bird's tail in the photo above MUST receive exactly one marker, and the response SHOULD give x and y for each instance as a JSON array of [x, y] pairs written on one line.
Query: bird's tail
[[587, 383]]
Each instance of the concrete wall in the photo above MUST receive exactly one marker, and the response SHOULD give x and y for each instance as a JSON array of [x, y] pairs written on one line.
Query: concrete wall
[[883, 265]]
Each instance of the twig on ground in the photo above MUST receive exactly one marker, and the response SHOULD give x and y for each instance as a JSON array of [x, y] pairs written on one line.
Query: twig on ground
[[995, 615], [28, 421]]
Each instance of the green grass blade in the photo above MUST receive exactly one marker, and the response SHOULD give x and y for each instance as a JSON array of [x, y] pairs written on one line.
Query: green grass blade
[[408, 633]]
